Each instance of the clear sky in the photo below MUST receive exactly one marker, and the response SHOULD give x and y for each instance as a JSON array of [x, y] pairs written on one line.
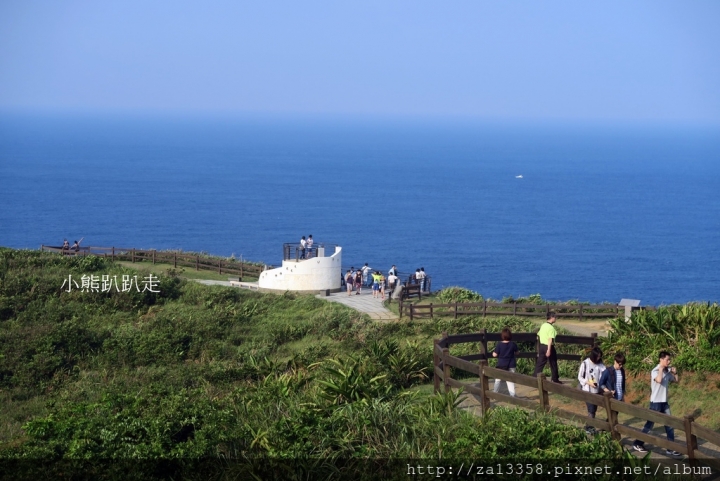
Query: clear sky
[[560, 60]]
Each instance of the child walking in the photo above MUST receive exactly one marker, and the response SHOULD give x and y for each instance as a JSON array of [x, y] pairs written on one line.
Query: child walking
[[505, 353], [591, 371]]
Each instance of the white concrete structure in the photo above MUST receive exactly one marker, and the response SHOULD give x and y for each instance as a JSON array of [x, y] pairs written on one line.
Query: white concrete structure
[[314, 275]]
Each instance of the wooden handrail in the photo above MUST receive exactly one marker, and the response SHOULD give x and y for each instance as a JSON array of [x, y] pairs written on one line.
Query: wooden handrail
[[487, 308], [443, 361], [171, 257]]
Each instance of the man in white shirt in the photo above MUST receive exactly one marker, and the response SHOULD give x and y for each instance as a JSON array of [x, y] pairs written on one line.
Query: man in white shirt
[[660, 377], [366, 271]]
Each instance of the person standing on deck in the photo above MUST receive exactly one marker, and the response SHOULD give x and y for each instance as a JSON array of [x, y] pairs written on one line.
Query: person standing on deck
[[303, 244], [309, 246], [366, 275]]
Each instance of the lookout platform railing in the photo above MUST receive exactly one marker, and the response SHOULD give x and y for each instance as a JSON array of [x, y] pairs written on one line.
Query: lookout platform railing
[[176, 258]]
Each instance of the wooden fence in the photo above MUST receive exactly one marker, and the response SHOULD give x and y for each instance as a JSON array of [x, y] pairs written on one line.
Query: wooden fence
[[486, 308], [195, 261], [443, 361]]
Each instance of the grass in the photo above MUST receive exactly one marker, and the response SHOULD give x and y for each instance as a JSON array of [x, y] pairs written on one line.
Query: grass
[[184, 272], [205, 371]]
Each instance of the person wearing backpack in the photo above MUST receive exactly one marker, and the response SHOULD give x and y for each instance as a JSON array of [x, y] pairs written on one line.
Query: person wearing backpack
[[589, 375]]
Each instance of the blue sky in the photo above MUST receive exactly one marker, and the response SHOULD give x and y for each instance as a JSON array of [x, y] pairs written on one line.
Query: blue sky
[[556, 60]]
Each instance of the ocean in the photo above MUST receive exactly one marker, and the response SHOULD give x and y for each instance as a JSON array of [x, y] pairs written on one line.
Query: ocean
[[601, 211]]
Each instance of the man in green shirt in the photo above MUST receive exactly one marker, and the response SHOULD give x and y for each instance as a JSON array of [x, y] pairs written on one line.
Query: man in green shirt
[[547, 335]]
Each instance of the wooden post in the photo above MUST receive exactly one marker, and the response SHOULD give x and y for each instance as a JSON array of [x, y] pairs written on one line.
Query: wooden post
[[113, 254], [133, 254], [436, 363], [483, 343], [197, 263], [484, 308], [547, 309], [594, 338], [220, 267], [612, 416], [400, 305], [581, 313], [174, 260], [241, 268], [484, 400], [542, 393], [446, 369], [690, 439], [153, 256], [412, 311], [514, 308], [431, 311], [456, 309]]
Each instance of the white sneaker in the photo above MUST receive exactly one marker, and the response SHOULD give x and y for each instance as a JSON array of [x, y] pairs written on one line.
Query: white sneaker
[[639, 448], [670, 452]]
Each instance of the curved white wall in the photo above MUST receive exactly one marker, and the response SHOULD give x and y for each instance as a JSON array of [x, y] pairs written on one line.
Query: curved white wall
[[315, 274]]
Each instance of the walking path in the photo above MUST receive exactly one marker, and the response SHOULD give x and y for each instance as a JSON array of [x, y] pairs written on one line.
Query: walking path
[[364, 302]]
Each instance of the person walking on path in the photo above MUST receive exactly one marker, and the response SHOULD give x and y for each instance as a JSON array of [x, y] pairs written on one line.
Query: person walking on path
[[660, 377], [547, 335], [392, 282], [591, 370], [349, 282], [376, 283], [505, 352], [613, 380], [358, 282]]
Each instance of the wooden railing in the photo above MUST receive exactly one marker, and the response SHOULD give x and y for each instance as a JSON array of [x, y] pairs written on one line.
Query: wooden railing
[[443, 361], [195, 261], [486, 308]]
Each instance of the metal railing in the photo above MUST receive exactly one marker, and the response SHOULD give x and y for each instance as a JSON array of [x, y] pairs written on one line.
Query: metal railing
[[293, 252]]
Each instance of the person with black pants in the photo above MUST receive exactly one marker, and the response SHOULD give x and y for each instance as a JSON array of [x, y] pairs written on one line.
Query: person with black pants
[[547, 335]]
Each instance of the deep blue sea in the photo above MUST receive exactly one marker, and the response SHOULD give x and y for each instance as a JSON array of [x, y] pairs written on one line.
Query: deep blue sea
[[601, 211]]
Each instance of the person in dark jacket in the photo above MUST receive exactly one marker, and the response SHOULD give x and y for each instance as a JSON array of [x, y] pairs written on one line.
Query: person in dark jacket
[[613, 379]]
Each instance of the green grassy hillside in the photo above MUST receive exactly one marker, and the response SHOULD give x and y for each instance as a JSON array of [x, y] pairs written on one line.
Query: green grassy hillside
[[238, 381]]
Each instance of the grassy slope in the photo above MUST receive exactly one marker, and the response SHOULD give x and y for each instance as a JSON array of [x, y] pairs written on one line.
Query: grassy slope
[[213, 349], [184, 272]]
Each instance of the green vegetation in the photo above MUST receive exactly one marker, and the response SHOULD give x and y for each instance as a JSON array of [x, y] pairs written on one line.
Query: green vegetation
[[182, 272], [212, 379], [691, 333]]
